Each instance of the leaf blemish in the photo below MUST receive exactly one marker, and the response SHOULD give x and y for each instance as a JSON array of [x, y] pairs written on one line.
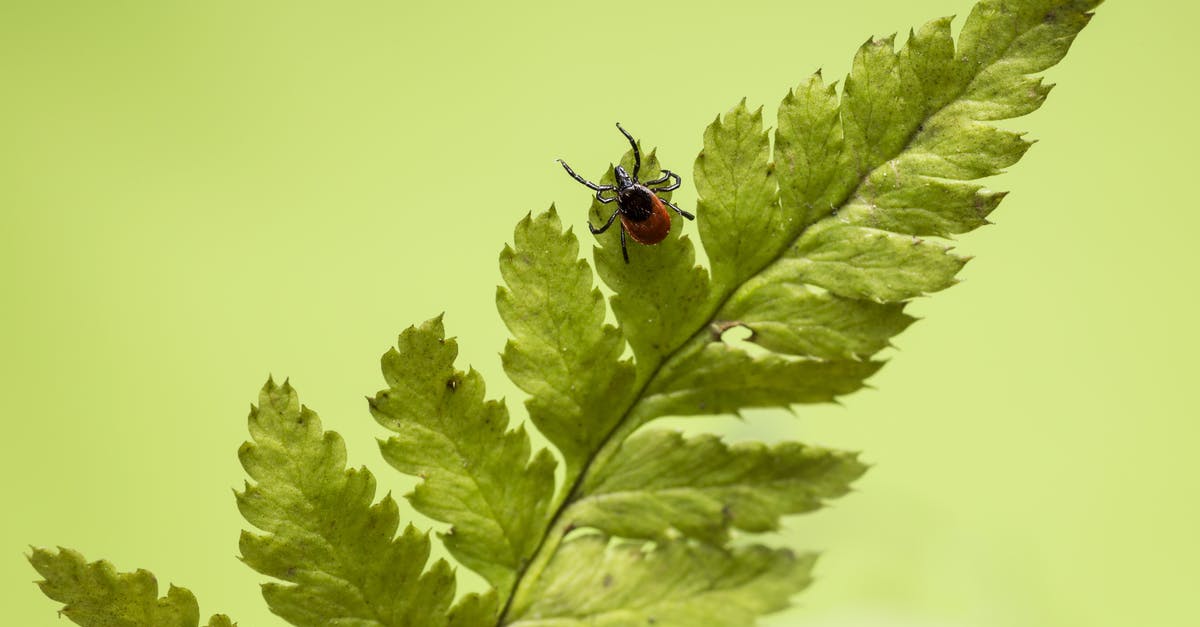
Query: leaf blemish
[[717, 329]]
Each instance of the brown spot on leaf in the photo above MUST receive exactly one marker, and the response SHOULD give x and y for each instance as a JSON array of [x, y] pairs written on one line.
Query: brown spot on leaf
[[718, 328]]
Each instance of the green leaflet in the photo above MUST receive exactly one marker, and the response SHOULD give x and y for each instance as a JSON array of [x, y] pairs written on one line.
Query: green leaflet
[[865, 263], [742, 229], [878, 106], [812, 167], [676, 584], [701, 487], [561, 353], [477, 476], [795, 319], [719, 378], [338, 552], [96, 595]]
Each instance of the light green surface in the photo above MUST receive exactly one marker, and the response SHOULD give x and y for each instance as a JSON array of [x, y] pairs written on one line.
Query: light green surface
[[193, 197]]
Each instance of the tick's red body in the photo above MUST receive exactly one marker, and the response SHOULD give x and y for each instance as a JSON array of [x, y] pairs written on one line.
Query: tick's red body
[[643, 214]]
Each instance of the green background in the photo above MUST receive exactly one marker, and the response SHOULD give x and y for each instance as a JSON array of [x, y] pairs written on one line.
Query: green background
[[195, 195]]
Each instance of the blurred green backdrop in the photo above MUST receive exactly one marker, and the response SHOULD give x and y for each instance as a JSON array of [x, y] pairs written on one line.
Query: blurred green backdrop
[[195, 195]]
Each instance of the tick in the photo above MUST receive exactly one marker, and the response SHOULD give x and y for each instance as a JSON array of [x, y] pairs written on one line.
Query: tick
[[641, 210]]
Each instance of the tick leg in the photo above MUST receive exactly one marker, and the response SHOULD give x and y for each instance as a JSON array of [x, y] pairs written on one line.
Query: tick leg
[[597, 231], [624, 251], [601, 198], [637, 154], [598, 188], [663, 179], [678, 210]]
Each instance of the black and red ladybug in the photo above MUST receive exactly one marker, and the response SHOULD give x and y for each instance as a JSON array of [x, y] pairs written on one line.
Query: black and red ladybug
[[642, 212]]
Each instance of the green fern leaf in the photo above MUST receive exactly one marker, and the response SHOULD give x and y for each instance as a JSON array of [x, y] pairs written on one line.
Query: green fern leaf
[[562, 353], [866, 263], [815, 247], [661, 481], [477, 476], [742, 229], [675, 584], [816, 242], [96, 595], [719, 378], [799, 320], [339, 553]]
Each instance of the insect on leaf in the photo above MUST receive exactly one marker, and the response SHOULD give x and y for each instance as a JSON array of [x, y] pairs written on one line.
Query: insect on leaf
[[659, 294]]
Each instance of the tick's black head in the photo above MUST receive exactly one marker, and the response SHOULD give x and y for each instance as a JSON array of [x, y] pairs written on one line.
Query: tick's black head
[[623, 178], [637, 202]]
